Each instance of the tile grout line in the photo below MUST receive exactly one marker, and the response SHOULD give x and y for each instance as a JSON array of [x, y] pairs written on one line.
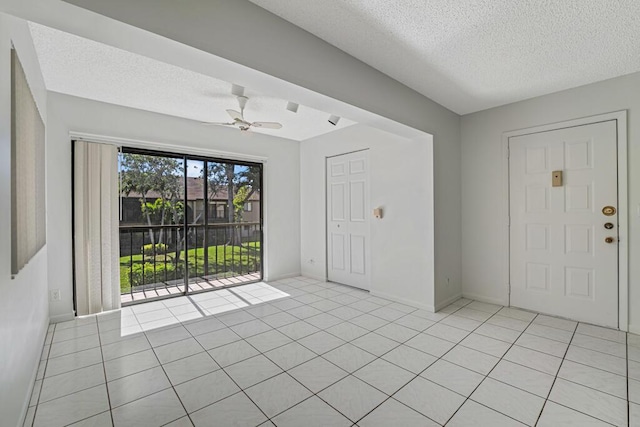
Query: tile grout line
[[104, 371], [78, 391], [403, 343], [260, 352], [321, 356], [241, 389], [556, 376], [44, 373], [153, 348], [168, 380], [388, 396], [458, 343], [342, 321], [491, 370], [626, 339], [582, 385]]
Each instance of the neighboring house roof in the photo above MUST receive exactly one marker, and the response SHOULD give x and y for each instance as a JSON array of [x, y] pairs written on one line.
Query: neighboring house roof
[[195, 191]]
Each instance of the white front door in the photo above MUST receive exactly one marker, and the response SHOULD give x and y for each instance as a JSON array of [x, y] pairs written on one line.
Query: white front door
[[563, 248], [348, 219]]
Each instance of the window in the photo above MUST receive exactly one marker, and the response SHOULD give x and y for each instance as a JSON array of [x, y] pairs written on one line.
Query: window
[[247, 207], [220, 211], [190, 232]]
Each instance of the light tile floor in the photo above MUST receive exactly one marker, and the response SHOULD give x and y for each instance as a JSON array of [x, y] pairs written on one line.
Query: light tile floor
[[303, 353]]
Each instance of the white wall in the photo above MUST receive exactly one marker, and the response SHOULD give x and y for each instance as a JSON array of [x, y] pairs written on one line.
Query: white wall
[[483, 251], [275, 57], [24, 315], [70, 114], [401, 183]]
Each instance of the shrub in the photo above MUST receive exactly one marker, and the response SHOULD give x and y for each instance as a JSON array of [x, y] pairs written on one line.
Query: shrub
[[141, 275], [160, 248]]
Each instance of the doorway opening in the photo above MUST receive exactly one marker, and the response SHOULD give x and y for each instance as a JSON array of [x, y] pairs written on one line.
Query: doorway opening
[[187, 224]]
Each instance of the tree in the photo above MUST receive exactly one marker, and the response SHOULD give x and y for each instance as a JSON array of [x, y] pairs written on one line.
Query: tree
[[248, 177], [240, 182], [239, 201], [143, 174]]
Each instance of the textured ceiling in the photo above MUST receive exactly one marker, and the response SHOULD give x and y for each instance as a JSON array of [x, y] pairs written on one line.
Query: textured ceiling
[[469, 55], [80, 67]]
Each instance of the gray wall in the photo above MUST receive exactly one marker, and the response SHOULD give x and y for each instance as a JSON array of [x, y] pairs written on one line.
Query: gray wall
[[249, 35], [24, 310], [281, 177], [401, 243], [483, 250]]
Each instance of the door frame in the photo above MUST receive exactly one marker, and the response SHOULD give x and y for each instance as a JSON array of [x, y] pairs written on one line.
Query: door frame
[[326, 217], [620, 117]]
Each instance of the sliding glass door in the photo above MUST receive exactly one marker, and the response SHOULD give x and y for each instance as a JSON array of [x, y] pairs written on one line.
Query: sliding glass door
[[187, 224]]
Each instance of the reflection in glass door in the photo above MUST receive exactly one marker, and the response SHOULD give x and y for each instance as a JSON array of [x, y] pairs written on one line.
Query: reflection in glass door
[[188, 224]]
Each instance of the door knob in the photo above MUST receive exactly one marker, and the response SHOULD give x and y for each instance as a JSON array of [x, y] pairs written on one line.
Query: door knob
[[609, 239]]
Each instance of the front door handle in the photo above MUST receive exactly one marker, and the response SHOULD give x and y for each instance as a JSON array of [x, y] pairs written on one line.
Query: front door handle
[[609, 239]]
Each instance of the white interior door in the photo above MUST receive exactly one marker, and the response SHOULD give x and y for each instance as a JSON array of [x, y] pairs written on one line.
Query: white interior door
[[561, 260], [348, 219]]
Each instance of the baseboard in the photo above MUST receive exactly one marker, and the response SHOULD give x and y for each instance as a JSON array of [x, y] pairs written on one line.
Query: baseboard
[[34, 375], [482, 298], [448, 301], [314, 277], [283, 276], [62, 317], [634, 329], [408, 302]]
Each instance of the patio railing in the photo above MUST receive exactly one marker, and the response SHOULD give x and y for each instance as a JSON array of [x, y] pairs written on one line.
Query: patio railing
[[172, 256]]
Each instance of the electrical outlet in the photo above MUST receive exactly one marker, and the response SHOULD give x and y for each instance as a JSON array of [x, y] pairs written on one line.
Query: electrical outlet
[[55, 295]]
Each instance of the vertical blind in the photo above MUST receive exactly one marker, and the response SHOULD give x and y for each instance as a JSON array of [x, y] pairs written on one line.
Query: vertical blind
[[28, 212], [97, 249]]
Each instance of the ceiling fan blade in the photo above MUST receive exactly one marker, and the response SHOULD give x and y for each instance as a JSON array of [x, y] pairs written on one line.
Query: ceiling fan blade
[[267, 125], [218, 123], [235, 115]]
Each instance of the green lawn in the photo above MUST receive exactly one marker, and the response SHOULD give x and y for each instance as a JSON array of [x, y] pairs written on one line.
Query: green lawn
[[222, 258]]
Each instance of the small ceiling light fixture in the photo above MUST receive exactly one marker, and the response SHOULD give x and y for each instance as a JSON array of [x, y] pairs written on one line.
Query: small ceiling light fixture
[[237, 90], [292, 106], [334, 120]]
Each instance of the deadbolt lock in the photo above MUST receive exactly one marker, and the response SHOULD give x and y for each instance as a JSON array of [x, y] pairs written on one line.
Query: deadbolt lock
[[608, 225], [609, 210], [609, 239]]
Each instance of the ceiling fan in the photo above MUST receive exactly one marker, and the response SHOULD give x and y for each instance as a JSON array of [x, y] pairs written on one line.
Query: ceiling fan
[[241, 122]]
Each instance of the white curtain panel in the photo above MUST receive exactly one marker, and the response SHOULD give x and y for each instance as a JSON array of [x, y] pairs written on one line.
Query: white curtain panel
[[97, 247]]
